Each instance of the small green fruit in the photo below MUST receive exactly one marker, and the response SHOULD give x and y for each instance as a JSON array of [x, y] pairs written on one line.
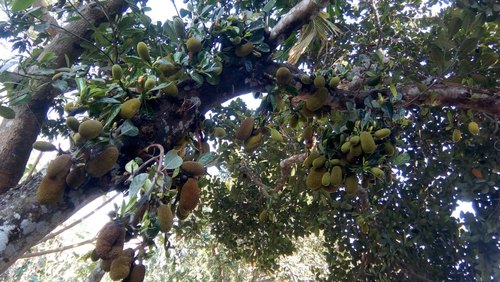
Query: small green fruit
[[44, 146], [193, 45], [142, 51], [334, 82], [319, 81], [473, 128], [117, 72]]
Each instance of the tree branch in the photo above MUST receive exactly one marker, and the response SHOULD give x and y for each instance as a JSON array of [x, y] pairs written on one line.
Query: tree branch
[[57, 250], [286, 167]]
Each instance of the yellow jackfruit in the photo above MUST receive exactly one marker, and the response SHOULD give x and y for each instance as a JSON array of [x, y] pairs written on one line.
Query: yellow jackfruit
[[317, 100], [193, 45], [102, 163], [473, 128], [367, 143], [313, 180], [245, 129], [137, 273], [129, 108], [283, 75], [334, 82], [44, 146], [336, 176], [90, 129], [219, 132], [244, 50], [76, 177], [190, 195], [253, 142], [351, 184], [319, 81], [73, 123], [165, 217], [319, 162], [50, 190], [142, 51], [116, 72], [382, 133], [325, 179], [59, 167], [193, 168], [457, 135]]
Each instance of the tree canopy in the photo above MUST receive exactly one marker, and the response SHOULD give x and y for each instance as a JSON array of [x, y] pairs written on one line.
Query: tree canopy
[[377, 118]]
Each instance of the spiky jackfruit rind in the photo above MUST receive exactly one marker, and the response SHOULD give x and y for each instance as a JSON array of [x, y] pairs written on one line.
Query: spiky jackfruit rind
[[354, 140], [305, 79], [51, 190], [325, 179], [457, 135], [90, 129], [137, 273], [120, 266], [316, 101], [116, 72], [165, 217], [367, 143], [313, 180], [193, 45], [149, 84], [190, 195], [76, 177], [334, 82], [193, 168], [110, 240], [253, 142], [244, 50], [59, 167], [130, 108], [356, 151], [309, 160], [245, 130], [44, 146], [382, 133], [283, 75], [351, 184], [171, 90], [473, 128], [346, 147], [319, 162], [72, 123], [179, 28], [143, 52], [319, 81], [336, 175], [377, 172], [102, 163], [219, 132]]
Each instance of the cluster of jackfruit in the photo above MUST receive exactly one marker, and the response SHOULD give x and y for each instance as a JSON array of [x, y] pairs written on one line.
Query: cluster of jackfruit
[[51, 188], [473, 128], [252, 139], [339, 169]]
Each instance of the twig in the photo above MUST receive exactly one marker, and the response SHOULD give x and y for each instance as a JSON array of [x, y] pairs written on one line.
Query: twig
[[175, 7], [60, 249], [144, 197]]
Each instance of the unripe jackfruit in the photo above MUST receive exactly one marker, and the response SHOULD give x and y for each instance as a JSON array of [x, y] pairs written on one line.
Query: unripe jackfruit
[[346, 147], [190, 195], [457, 135], [44, 146], [308, 132], [336, 176], [149, 84], [317, 100], [181, 213], [309, 160], [244, 50], [129, 108], [193, 45], [102, 163], [283, 75], [171, 90], [253, 142], [382, 133], [193, 168], [356, 151], [76, 177], [305, 79], [137, 273], [389, 149], [50, 190], [245, 129], [313, 180], [319, 81], [334, 82], [276, 135], [116, 72], [354, 140], [165, 217], [59, 167], [179, 27], [319, 162], [120, 266], [90, 129], [294, 121], [142, 51], [473, 128], [110, 240], [351, 184], [377, 172], [219, 132], [325, 179], [367, 143], [106, 265], [73, 123]]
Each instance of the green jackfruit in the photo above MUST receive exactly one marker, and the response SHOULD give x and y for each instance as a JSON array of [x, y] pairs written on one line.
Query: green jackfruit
[[356, 151], [317, 100], [351, 184], [171, 90], [137, 273], [309, 160], [50, 190], [319, 81], [90, 129], [319, 162], [76, 177], [179, 29], [245, 130], [193, 45], [283, 75], [110, 240], [294, 121], [346, 147], [325, 179], [313, 180], [457, 135], [102, 163], [336, 176], [129, 108], [149, 84], [219, 132], [305, 79], [308, 132], [73, 123], [377, 172], [142, 51], [367, 143], [244, 50], [253, 142], [334, 82], [117, 72], [276, 135], [44, 146], [382, 133], [389, 149], [59, 167], [354, 140], [120, 266], [473, 128], [165, 217]]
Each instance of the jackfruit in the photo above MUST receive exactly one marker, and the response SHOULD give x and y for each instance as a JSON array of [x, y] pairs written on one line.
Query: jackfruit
[[181, 213], [346, 147], [94, 256], [356, 151], [120, 266], [253, 142], [263, 216], [473, 128], [317, 100], [325, 179], [76, 177], [142, 51], [137, 273], [219, 132], [129, 108], [165, 217], [457, 135], [73, 123], [335, 162], [319, 81], [294, 121], [313, 180], [110, 240], [382, 133], [59, 167], [367, 143], [305, 79], [171, 90], [69, 107], [50, 190], [308, 132], [336, 176], [190, 195], [351, 184], [44, 146], [377, 172], [319, 162], [149, 84], [193, 168], [193, 45], [77, 138], [354, 140], [276, 135], [309, 160], [245, 129], [283, 75], [116, 72], [168, 67], [389, 149], [244, 50], [179, 27], [334, 82], [106, 265], [90, 129], [102, 163]]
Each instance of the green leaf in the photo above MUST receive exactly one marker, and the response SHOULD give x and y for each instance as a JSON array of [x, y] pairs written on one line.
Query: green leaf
[[7, 112], [172, 160], [128, 129], [19, 5], [401, 159], [137, 183], [207, 158]]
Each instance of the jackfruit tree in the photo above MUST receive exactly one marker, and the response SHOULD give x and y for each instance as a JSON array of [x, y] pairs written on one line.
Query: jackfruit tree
[[377, 118]]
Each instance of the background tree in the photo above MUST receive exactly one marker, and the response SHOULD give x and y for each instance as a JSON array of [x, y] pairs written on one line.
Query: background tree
[[395, 108]]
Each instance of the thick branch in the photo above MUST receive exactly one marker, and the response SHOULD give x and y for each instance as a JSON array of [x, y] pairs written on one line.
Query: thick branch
[[294, 19], [18, 134]]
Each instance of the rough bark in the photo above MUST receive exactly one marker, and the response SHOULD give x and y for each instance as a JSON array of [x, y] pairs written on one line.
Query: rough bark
[[19, 134]]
